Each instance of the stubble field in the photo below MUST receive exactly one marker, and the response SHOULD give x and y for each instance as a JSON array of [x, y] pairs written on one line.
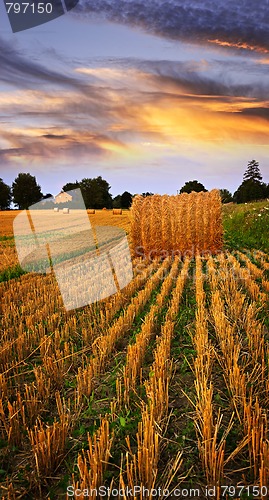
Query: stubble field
[[163, 385]]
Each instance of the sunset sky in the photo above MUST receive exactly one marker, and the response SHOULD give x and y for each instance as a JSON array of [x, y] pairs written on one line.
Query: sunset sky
[[148, 94]]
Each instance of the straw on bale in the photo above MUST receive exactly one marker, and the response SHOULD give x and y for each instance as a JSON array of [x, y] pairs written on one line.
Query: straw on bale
[[65, 210], [91, 211], [177, 224], [117, 211]]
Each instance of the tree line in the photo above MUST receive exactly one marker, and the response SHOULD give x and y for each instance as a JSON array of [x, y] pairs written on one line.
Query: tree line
[[251, 189], [25, 191]]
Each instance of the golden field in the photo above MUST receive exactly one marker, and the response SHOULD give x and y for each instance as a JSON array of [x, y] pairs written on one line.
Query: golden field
[[162, 385]]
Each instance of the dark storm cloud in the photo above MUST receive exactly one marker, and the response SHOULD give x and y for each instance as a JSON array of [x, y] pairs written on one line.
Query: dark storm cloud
[[243, 23]]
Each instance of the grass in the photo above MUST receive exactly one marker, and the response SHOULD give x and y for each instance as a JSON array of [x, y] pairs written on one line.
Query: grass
[[6, 238], [246, 225], [10, 273]]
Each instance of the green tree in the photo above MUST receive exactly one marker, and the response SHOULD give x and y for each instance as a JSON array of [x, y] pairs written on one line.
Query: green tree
[[253, 172], [126, 200], [250, 191], [226, 196], [70, 186], [95, 193], [46, 196], [252, 187], [192, 186], [116, 203], [5, 195], [25, 191]]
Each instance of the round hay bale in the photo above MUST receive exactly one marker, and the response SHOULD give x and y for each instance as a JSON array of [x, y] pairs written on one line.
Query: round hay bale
[[56, 209], [104, 208], [177, 225], [117, 211], [65, 210], [91, 211]]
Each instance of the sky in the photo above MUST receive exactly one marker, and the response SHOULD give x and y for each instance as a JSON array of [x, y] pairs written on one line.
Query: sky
[[148, 95]]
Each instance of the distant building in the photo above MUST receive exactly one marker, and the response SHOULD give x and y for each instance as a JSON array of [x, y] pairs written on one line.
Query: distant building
[[63, 197]]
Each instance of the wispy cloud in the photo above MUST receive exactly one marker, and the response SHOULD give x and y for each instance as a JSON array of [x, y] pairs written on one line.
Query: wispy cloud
[[53, 145], [21, 72], [132, 108], [140, 105]]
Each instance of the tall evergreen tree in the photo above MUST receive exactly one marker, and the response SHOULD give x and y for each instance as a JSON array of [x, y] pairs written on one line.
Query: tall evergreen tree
[[252, 187], [253, 172]]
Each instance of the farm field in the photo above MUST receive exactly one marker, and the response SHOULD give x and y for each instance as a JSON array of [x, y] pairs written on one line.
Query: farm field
[[163, 385]]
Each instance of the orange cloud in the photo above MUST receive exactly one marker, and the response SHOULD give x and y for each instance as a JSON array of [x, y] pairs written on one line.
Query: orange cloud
[[262, 61], [191, 124], [153, 115], [239, 45]]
